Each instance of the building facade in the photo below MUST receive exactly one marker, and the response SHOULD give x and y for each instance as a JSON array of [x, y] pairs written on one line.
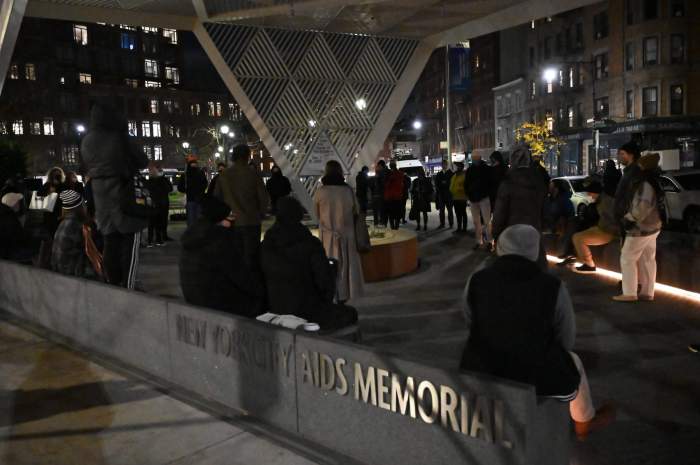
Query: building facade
[[60, 68], [616, 71], [509, 110]]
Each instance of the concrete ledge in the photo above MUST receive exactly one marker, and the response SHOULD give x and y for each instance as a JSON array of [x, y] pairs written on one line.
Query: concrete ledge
[[364, 404]]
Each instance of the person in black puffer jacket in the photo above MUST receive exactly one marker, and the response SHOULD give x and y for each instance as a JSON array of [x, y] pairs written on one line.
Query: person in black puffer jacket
[[478, 186], [212, 272], [160, 189], [299, 277]]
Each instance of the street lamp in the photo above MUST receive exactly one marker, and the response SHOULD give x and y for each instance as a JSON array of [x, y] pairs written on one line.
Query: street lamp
[[549, 75], [220, 149], [185, 145], [417, 125], [231, 134], [80, 128], [224, 129]]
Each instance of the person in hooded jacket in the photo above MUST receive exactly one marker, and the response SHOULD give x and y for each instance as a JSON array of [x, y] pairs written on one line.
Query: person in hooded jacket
[[520, 198], [443, 197], [527, 334], [213, 272], [478, 184], [194, 185], [298, 275], [421, 196], [278, 186], [111, 162]]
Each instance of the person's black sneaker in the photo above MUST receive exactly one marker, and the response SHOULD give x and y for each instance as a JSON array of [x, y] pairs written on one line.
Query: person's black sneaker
[[567, 261], [585, 269]]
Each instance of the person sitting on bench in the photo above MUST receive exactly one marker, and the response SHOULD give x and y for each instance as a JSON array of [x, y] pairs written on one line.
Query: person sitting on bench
[[299, 276], [527, 333]]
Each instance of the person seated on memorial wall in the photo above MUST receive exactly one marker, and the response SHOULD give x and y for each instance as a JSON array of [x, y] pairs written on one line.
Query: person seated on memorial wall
[[298, 275], [13, 237], [212, 270], [527, 334], [68, 249]]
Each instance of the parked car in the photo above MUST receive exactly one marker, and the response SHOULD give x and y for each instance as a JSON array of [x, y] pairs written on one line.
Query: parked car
[[683, 197], [579, 197]]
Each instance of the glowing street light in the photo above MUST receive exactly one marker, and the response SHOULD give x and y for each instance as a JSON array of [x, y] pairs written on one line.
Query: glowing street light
[[185, 145], [224, 129], [231, 135], [220, 149], [361, 104], [417, 125], [80, 128], [550, 75]]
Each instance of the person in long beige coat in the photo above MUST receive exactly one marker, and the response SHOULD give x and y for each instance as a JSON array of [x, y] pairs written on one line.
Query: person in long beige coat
[[336, 210]]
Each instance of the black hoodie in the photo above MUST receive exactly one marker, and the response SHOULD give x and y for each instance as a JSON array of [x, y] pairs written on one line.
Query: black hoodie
[[212, 273], [520, 200]]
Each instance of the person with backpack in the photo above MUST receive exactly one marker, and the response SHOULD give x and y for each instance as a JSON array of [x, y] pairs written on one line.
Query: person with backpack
[[393, 194], [641, 225]]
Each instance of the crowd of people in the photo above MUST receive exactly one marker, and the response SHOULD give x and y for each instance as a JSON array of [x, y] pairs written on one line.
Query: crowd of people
[[526, 334]]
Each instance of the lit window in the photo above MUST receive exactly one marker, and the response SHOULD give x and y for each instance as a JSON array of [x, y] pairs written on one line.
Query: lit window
[[80, 34], [168, 105], [30, 72], [48, 127], [572, 82], [145, 129], [550, 120], [533, 90], [35, 128], [156, 128], [649, 101], [148, 150], [133, 128], [14, 71], [154, 106], [195, 109], [629, 104], [602, 108], [85, 78], [157, 152], [134, 83], [218, 109], [151, 84], [62, 80], [212, 108], [570, 111], [128, 41], [550, 87], [170, 34], [172, 74], [149, 29], [3, 128], [18, 127], [150, 68], [127, 27], [70, 154]]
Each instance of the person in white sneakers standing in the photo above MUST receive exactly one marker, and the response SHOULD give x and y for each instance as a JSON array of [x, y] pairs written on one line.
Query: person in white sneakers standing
[[642, 224]]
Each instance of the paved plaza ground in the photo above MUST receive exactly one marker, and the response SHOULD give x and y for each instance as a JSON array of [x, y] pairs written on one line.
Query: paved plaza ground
[[68, 406]]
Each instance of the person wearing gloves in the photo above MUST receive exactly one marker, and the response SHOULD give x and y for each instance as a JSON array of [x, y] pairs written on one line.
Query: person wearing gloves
[[527, 334]]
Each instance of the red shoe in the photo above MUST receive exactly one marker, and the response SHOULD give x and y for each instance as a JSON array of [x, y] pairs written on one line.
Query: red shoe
[[603, 417]]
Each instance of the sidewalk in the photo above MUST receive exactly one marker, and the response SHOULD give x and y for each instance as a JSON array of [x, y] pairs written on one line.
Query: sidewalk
[[60, 408]]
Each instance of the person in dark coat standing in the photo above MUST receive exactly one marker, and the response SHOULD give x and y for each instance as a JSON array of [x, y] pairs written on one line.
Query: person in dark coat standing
[[278, 186], [68, 251], [478, 185], [421, 196], [443, 197], [394, 191], [160, 188], [194, 185], [379, 209], [299, 278], [111, 161], [527, 334], [220, 167], [212, 270], [521, 197], [362, 189], [498, 173], [13, 237]]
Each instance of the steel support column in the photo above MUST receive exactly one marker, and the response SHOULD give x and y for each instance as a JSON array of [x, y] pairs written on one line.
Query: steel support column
[[11, 14]]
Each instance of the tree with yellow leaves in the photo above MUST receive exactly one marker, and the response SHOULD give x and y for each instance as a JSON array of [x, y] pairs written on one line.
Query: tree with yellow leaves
[[539, 138]]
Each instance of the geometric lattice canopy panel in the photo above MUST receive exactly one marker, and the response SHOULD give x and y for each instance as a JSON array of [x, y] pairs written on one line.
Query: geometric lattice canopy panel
[[307, 85]]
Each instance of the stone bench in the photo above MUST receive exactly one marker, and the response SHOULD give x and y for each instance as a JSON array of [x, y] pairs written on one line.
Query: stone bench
[[364, 404]]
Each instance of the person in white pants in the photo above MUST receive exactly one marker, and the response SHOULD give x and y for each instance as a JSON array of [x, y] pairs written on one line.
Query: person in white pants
[[482, 209], [642, 224], [478, 189]]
